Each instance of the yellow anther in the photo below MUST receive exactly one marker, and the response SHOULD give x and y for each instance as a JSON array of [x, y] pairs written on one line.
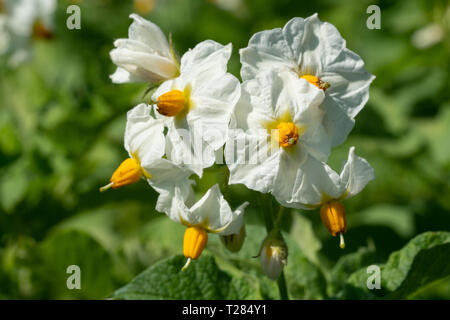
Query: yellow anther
[[333, 217], [40, 31], [143, 6], [194, 242], [287, 134], [171, 103], [128, 172], [316, 81]]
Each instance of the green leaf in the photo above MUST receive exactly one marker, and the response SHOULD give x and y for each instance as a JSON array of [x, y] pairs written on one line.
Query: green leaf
[[420, 263], [64, 248], [348, 264], [202, 280], [13, 185]]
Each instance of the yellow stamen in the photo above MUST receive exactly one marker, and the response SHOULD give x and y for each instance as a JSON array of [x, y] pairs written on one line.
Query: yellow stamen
[[332, 214], [194, 242], [40, 31], [316, 81], [143, 6], [128, 172], [287, 134], [171, 103]]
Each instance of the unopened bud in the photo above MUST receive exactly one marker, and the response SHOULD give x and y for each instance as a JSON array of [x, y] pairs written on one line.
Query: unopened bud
[[234, 242], [273, 254]]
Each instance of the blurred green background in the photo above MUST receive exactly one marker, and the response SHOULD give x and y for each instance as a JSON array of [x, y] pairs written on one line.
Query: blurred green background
[[61, 137]]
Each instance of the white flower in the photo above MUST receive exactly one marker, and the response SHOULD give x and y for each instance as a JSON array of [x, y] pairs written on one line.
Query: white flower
[[320, 186], [145, 144], [211, 214], [145, 56], [197, 105], [22, 20], [276, 157], [316, 52]]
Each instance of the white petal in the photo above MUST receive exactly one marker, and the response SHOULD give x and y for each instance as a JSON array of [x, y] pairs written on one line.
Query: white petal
[[251, 161], [169, 180], [237, 221], [206, 56], [313, 181], [123, 76], [144, 136], [149, 33], [356, 173], [213, 104], [146, 66], [266, 50]]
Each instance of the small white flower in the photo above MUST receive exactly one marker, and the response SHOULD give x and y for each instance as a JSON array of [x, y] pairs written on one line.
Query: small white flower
[[19, 22], [145, 144], [283, 123], [197, 105], [145, 56], [211, 214], [318, 183], [321, 187], [315, 52]]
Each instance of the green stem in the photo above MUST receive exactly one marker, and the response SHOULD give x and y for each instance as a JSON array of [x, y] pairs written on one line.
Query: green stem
[[279, 215], [268, 219], [282, 287]]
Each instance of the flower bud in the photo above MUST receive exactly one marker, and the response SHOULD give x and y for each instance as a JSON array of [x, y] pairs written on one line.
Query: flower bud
[[333, 217], [234, 242], [273, 254], [171, 103], [194, 242], [128, 172]]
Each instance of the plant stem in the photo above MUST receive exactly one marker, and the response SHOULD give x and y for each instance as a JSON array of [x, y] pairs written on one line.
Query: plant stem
[[282, 287], [268, 219]]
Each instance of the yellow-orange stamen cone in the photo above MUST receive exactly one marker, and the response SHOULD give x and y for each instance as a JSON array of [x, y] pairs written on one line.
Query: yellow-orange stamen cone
[[316, 81], [287, 134], [333, 217], [40, 31], [128, 172], [171, 103], [194, 242]]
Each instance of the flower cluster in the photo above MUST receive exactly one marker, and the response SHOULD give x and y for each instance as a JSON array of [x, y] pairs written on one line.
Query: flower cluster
[[301, 91]]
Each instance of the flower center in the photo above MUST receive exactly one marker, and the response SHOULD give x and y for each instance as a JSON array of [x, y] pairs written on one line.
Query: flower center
[[194, 242], [171, 103], [128, 172], [332, 215], [316, 81], [40, 31], [287, 134]]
